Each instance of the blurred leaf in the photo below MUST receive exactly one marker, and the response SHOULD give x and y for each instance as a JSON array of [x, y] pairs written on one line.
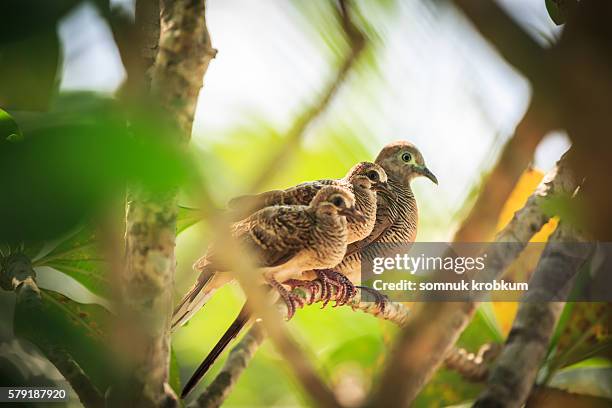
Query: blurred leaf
[[79, 329], [9, 131], [558, 10], [68, 166], [77, 256], [595, 381], [585, 334], [186, 218], [29, 69]]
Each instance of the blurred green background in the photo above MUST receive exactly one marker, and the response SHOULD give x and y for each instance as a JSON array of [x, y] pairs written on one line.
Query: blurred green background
[[426, 76]]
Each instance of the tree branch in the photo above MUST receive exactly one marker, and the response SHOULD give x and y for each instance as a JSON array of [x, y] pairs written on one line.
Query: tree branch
[[176, 75], [239, 358], [88, 394], [514, 373], [427, 339], [480, 223], [18, 275], [512, 42]]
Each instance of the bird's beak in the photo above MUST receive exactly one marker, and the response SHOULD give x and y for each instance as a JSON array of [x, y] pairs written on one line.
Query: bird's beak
[[424, 171], [353, 214], [385, 189]]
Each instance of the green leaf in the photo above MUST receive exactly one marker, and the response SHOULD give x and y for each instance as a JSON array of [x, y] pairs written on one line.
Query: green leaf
[[54, 320], [594, 381], [186, 218], [9, 130], [73, 163], [558, 10], [77, 256]]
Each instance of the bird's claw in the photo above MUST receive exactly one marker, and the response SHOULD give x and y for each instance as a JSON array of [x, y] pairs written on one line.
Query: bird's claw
[[379, 299], [311, 287], [292, 300], [330, 280]]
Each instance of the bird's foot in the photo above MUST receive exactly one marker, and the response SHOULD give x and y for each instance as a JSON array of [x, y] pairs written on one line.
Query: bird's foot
[[292, 300], [331, 280], [310, 286], [380, 299]]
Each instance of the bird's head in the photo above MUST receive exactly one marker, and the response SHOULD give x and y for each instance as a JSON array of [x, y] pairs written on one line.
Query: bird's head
[[403, 162], [368, 175], [333, 200]]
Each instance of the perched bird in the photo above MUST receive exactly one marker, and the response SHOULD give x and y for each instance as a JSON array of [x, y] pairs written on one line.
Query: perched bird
[[364, 179], [396, 222], [284, 240], [397, 217]]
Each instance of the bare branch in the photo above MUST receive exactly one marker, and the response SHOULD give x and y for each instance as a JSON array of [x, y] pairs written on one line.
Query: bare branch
[[88, 394], [473, 367], [427, 339], [236, 362], [515, 370], [480, 223], [177, 73], [18, 275], [512, 42]]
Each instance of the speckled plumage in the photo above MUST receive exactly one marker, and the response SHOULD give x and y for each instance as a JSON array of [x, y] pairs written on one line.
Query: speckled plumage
[[284, 240], [356, 180], [397, 218]]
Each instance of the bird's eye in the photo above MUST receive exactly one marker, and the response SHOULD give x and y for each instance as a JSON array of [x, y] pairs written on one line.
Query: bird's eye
[[373, 175], [338, 201], [406, 157]]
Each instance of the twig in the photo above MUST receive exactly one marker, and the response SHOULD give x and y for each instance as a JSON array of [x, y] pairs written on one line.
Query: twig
[[473, 367], [88, 394], [274, 327], [238, 359], [514, 373], [427, 339], [512, 42]]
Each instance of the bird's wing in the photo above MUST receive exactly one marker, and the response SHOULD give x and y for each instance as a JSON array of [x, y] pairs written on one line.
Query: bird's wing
[[384, 220], [245, 205], [276, 234]]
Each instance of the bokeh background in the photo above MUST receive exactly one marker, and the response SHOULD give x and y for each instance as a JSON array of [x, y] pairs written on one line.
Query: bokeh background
[[427, 77]]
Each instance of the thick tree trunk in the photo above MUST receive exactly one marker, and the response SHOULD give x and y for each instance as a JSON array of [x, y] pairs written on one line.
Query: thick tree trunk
[[180, 60]]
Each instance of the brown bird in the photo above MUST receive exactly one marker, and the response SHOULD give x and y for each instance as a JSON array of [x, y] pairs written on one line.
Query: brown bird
[[396, 222], [285, 240], [364, 179], [397, 217]]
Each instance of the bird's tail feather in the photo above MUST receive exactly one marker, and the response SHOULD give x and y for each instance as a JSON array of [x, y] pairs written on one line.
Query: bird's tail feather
[[228, 336], [197, 297]]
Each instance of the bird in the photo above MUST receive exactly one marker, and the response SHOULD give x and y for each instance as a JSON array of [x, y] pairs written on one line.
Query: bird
[[364, 180], [396, 215], [396, 221], [284, 240]]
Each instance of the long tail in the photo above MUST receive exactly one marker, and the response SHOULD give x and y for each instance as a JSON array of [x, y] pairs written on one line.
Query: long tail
[[230, 333], [198, 295]]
